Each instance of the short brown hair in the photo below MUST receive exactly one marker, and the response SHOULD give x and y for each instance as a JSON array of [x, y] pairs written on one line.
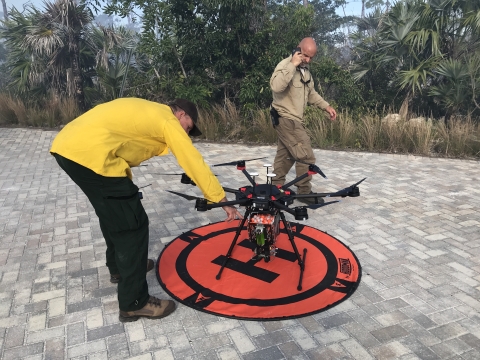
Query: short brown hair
[[190, 109]]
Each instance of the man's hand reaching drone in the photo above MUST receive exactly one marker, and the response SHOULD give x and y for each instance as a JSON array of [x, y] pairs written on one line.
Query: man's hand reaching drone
[[232, 212]]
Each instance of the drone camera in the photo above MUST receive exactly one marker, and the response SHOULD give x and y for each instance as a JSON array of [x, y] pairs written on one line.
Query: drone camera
[[301, 213], [201, 205], [261, 204]]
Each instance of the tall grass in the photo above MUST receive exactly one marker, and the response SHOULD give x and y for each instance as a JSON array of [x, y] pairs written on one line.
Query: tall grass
[[226, 123], [53, 112], [221, 123]]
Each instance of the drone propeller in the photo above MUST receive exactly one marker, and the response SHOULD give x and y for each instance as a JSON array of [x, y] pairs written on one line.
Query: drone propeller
[[233, 191], [316, 206], [166, 174], [238, 161], [185, 196], [358, 183], [352, 190], [313, 166], [184, 180], [178, 174]]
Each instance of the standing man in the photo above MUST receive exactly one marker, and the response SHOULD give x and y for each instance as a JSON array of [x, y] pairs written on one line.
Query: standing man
[[292, 88], [97, 151]]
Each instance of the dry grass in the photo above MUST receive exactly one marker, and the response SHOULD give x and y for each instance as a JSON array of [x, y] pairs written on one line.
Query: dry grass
[[369, 128], [54, 112], [393, 136], [12, 111], [346, 130], [261, 129], [418, 137], [221, 123], [461, 138]]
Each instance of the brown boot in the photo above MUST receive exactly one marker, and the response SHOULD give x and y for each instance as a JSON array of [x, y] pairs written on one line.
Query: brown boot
[[115, 278], [154, 309]]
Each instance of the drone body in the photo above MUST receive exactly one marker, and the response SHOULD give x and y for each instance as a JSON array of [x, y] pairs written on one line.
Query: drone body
[[264, 206]]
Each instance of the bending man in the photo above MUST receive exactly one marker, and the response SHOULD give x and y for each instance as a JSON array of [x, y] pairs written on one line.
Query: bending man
[[97, 151]]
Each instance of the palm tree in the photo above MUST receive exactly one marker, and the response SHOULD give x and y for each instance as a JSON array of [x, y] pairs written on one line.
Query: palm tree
[[115, 51], [45, 48], [426, 42], [71, 21]]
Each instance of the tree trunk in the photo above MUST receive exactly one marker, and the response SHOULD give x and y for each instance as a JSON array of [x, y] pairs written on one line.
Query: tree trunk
[[5, 11], [305, 3], [363, 9], [77, 73]]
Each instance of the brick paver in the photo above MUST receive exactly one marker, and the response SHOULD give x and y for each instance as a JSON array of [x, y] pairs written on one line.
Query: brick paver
[[415, 230]]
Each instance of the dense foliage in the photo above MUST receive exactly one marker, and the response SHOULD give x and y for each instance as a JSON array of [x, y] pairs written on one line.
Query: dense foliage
[[416, 55], [422, 54]]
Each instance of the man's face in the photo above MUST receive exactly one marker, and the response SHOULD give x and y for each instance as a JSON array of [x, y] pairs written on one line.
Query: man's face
[[186, 121], [308, 54]]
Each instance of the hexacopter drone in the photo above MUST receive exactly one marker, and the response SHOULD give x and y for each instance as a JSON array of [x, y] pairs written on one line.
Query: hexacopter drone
[[264, 205]]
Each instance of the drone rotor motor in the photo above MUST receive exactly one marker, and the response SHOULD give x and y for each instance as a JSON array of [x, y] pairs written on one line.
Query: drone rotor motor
[[201, 205], [354, 192]]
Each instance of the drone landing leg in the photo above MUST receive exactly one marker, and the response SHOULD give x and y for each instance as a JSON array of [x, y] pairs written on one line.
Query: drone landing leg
[[229, 253], [301, 262]]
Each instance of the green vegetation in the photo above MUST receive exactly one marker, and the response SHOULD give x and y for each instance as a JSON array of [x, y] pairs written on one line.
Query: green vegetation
[[420, 136], [415, 58]]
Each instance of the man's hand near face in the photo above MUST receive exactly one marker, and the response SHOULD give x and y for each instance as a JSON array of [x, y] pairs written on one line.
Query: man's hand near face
[[297, 58]]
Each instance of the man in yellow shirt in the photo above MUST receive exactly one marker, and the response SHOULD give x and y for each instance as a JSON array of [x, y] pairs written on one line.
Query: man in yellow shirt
[[97, 151]]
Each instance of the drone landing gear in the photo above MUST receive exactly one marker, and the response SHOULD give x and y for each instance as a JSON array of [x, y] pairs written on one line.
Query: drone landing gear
[[301, 262]]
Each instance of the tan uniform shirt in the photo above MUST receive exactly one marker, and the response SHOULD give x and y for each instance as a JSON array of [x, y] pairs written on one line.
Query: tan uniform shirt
[[292, 91]]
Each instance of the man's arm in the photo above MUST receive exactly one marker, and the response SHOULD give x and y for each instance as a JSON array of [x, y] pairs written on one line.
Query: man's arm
[[315, 99], [282, 76], [190, 159]]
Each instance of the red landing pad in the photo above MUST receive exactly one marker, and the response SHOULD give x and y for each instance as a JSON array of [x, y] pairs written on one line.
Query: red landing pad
[[256, 290]]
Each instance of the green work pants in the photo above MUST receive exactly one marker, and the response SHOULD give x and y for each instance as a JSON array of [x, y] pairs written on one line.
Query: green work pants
[[294, 143], [124, 225]]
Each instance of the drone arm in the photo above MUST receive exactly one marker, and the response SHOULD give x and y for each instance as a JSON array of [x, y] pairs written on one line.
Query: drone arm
[[248, 177], [341, 193], [280, 206], [301, 177], [233, 191], [227, 203]]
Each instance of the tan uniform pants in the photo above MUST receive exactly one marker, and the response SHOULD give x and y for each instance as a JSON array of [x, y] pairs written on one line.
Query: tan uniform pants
[[293, 142]]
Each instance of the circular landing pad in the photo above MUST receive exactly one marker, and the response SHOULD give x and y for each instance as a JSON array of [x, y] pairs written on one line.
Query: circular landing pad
[[256, 290]]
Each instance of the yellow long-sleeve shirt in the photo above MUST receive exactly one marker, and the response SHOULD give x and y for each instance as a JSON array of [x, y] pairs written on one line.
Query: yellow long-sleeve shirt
[[115, 136]]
